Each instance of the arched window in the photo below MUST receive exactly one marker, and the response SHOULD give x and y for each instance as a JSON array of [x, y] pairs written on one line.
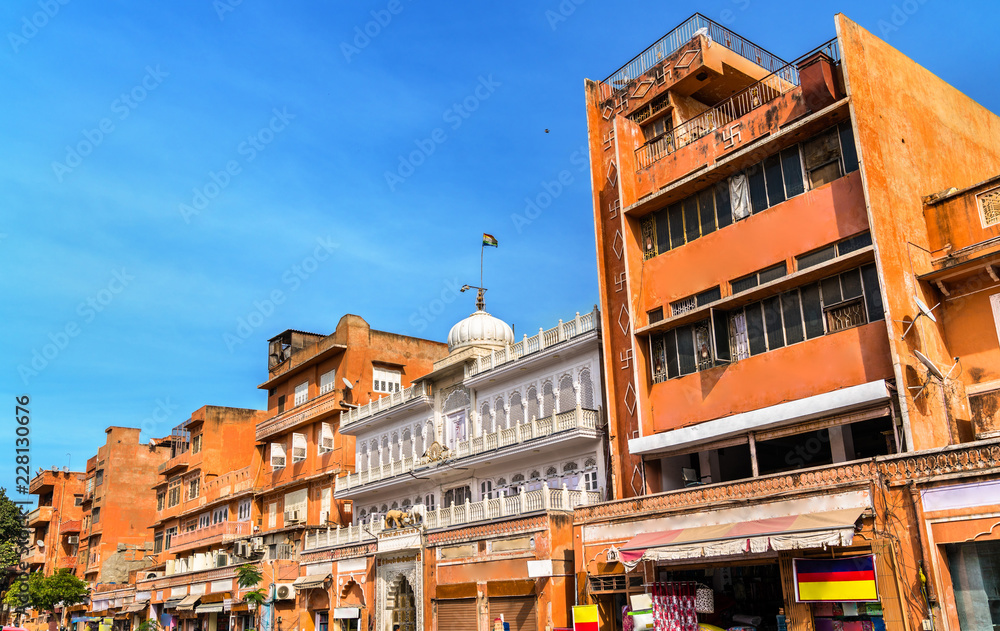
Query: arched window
[[501, 414], [407, 445], [395, 506], [456, 400], [571, 476], [567, 396], [486, 490], [586, 390], [486, 419], [394, 446], [516, 483], [363, 517], [590, 480], [362, 462], [384, 456], [502, 489], [532, 403], [406, 503], [515, 415], [552, 479], [547, 399], [569, 466], [373, 454], [384, 509]]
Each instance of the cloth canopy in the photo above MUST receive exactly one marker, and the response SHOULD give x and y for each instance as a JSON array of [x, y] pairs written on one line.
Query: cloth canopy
[[311, 582]]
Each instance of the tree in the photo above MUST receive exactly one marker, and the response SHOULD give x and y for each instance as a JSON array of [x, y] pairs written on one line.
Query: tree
[[148, 625], [45, 592], [248, 576], [12, 535]]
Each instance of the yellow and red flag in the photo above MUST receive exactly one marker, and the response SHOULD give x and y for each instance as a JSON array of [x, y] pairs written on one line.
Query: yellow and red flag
[[837, 580], [585, 618]]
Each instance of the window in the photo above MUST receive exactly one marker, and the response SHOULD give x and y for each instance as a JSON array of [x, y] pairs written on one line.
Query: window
[[326, 382], [191, 526], [220, 515], [590, 480], [691, 303], [456, 428], [281, 404], [832, 251], [486, 489], [194, 487], [161, 497], [99, 477], [386, 381], [989, 207], [205, 520], [196, 444], [78, 501], [781, 176], [95, 515], [168, 535], [325, 438], [429, 502], [174, 493], [457, 496], [758, 278], [272, 514], [301, 393], [277, 455], [243, 510], [834, 304], [299, 446], [655, 315], [158, 543]]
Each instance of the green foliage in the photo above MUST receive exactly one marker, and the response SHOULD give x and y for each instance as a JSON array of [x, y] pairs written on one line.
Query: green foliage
[[148, 625], [10, 518], [248, 575], [45, 592], [17, 596], [12, 533]]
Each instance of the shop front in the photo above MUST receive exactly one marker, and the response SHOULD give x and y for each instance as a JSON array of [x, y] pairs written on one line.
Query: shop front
[[810, 563]]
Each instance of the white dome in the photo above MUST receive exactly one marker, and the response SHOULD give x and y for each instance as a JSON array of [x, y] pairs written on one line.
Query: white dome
[[480, 329]]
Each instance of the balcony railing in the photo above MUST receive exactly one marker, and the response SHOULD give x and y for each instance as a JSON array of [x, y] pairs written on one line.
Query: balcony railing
[[35, 556], [779, 82], [42, 514], [221, 532], [180, 461], [574, 420], [229, 483], [544, 339], [672, 42], [423, 389], [544, 499], [300, 414]]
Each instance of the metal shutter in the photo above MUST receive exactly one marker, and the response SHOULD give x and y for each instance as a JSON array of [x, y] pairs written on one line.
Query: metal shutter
[[519, 612], [457, 615]]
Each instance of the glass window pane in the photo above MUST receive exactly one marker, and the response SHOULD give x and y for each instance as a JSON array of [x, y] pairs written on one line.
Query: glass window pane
[[791, 167], [873, 296], [662, 231], [743, 284], [691, 218], [793, 317], [723, 204], [831, 291], [670, 348], [708, 296], [772, 273], [676, 226], [758, 191], [706, 207], [854, 243], [812, 310], [755, 329], [685, 350], [775, 185], [847, 147], [817, 257], [851, 283], [772, 321]]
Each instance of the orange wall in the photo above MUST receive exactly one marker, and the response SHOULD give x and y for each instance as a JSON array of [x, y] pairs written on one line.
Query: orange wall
[[916, 135], [823, 364]]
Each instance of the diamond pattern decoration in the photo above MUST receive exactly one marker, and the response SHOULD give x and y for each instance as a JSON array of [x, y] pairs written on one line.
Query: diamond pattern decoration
[[687, 58], [608, 112], [618, 245], [630, 399], [612, 173], [624, 322], [642, 88]]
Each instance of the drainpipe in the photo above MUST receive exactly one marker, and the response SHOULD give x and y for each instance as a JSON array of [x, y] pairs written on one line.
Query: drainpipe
[[925, 552]]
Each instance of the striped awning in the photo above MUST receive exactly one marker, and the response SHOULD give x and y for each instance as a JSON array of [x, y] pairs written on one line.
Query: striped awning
[[189, 602], [311, 582], [135, 607], [788, 532], [213, 608]]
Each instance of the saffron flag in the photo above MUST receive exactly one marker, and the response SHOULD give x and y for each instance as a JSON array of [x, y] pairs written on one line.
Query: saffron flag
[[585, 618], [489, 239], [836, 580]]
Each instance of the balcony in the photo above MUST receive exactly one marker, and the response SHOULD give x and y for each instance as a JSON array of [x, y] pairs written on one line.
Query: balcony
[[316, 409], [41, 515], [177, 464], [222, 532], [578, 423], [544, 339], [35, 556], [526, 502], [43, 483], [421, 392], [70, 526], [227, 484]]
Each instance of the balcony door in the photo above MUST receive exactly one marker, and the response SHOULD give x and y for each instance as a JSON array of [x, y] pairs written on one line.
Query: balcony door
[[456, 428]]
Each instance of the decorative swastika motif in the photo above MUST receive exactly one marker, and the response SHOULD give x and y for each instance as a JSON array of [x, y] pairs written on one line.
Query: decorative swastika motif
[[626, 358], [732, 135], [613, 208], [609, 140], [620, 282]]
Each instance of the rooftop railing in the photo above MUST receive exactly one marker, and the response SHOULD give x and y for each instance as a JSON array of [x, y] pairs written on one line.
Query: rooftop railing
[[672, 41], [779, 82], [422, 389]]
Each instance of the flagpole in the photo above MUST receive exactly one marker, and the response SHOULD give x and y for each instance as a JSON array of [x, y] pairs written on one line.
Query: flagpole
[[482, 248]]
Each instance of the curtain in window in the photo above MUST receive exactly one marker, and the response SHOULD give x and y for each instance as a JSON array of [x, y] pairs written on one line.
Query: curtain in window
[[739, 196]]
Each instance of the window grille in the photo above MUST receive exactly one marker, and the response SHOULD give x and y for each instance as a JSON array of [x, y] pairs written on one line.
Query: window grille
[[989, 207], [298, 447], [277, 455]]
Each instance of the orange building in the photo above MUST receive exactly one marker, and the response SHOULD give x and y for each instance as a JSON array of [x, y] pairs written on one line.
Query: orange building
[[55, 523], [763, 244]]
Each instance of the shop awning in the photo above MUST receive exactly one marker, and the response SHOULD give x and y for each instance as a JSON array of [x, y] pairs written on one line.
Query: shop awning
[[213, 608], [189, 602], [311, 582], [346, 613], [172, 603], [788, 532], [135, 608]]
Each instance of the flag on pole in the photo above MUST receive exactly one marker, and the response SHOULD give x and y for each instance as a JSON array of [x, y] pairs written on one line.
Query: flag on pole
[[585, 618], [489, 239]]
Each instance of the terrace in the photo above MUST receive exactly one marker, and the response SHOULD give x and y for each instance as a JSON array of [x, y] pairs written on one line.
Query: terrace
[[318, 408]]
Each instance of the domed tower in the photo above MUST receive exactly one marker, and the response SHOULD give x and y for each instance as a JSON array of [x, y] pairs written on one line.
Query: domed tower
[[480, 329]]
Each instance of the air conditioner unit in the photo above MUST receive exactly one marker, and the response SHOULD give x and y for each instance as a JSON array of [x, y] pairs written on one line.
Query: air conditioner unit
[[291, 516], [257, 543], [242, 549], [73, 539], [284, 591], [150, 575], [222, 560]]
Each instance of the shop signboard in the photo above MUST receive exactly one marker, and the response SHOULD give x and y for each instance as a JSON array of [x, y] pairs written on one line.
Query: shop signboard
[[836, 580]]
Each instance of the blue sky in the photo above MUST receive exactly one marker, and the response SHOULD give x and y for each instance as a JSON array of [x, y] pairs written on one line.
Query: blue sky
[[183, 180]]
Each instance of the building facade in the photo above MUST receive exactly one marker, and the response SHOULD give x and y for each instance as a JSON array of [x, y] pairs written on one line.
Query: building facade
[[56, 521], [763, 246]]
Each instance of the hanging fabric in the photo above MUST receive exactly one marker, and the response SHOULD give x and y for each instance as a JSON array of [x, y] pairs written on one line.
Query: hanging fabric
[[739, 196]]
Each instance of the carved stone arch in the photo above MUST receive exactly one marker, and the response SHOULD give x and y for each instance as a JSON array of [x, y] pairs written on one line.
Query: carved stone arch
[[532, 403], [515, 414], [486, 418], [456, 400], [500, 413], [394, 446], [586, 388], [567, 393], [548, 399]]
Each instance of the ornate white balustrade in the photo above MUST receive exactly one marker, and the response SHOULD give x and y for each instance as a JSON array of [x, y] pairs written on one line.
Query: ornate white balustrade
[[544, 499], [577, 419], [544, 339], [422, 389]]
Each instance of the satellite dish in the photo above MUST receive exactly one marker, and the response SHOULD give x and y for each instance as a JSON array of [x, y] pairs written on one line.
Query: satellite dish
[[347, 383], [931, 368], [925, 310]]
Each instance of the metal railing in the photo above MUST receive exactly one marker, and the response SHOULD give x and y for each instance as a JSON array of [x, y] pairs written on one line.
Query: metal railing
[[544, 499], [422, 389], [223, 531], [576, 419], [779, 82], [299, 414], [672, 42], [563, 331]]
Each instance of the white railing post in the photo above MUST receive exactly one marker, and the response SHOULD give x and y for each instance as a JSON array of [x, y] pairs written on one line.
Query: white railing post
[[562, 333], [522, 501], [579, 328], [541, 338], [565, 498], [545, 498]]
